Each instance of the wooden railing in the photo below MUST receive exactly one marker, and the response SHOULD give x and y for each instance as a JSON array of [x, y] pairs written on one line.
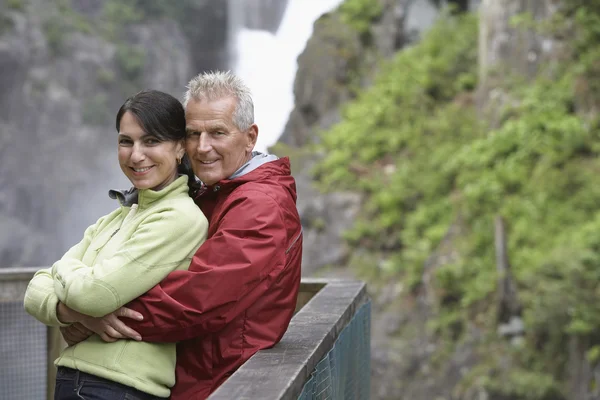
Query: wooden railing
[[324, 308]]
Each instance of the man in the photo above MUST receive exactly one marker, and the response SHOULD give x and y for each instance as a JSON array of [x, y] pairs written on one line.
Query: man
[[240, 291]]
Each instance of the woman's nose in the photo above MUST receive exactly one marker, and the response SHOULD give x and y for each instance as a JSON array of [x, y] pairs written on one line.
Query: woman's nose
[[137, 154]]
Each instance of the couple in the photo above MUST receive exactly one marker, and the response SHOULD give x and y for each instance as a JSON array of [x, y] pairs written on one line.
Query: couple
[[220, 280]]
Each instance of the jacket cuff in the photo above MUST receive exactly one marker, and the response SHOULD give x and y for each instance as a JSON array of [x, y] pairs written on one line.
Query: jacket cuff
[[52, 315]]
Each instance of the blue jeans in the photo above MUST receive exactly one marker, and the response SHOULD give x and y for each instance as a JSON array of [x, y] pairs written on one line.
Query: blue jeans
[[76, 385]]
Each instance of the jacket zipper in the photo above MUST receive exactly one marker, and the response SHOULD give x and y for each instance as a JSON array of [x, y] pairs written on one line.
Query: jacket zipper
[[128, 217], [294, 241]]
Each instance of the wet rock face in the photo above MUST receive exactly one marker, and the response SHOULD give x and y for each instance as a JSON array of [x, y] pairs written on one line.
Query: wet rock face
[[506, 50], [334, 55], [262, 14], [335, 62], [60, 91], [64, 74], [403, 347]]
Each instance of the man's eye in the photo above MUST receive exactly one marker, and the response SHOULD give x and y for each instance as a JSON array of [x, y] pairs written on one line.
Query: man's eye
[[191, 134], [219, 133]]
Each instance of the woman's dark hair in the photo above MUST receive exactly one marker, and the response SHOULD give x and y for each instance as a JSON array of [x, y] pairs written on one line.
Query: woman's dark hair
[[161, 116]]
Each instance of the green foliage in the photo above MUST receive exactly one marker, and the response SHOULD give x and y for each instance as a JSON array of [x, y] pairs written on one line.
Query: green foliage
[[162, 9], [18, 5], [391, 128], [96, 110], [6, 23], [61, 22], [360, 14], [106, 77], [54, 31], [413, 144], [299, 156], [130, 61], [121, 13], [524, 385], [116, 17]]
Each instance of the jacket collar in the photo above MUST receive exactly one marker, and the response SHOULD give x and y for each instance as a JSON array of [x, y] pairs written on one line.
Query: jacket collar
[[145, 197], [277, 168]]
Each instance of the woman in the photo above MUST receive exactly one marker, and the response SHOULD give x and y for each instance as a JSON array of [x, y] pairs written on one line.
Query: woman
[[156, 229]]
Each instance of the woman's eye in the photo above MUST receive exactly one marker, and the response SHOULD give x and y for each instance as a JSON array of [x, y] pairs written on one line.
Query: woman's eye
[[124, 142], [152, 141]]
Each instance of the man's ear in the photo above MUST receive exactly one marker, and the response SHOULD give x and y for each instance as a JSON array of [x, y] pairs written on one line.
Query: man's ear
[[252, 135]]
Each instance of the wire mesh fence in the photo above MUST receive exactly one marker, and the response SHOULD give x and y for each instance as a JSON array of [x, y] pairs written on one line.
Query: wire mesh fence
[[344, 373], [22, 354], [23, 343]]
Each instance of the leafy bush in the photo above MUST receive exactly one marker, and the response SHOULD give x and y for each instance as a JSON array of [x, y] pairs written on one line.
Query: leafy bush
[[414, 145], [54, 32], [130, 61], [360, 14], [96, 110], [16, 4], [391, 128]]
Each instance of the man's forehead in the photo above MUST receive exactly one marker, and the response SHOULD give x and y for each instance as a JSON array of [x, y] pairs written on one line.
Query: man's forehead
[[205, 124]]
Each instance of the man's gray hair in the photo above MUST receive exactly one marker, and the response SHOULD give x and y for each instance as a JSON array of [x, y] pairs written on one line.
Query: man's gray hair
[[216, 85]]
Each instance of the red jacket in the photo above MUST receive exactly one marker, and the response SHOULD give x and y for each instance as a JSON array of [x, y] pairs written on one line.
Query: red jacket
[[240, 291]]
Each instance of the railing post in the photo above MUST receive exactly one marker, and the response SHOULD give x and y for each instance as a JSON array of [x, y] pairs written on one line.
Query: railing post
[[54, 344]]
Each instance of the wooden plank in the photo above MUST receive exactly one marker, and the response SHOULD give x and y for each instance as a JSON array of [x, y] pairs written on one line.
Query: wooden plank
[[280, 372], [54, 345], [12, 291], [313, 285], [308, 288], [18, 274], [13, 283]]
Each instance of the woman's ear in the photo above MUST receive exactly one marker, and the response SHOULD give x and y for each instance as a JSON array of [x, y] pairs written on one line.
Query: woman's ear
[[180, 149]]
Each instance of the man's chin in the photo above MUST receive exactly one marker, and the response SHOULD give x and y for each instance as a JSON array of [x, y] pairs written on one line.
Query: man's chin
[[207, 180], [209, 176]]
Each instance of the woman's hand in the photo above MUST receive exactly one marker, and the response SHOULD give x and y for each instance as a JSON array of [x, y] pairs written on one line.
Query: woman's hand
[[75, 333]]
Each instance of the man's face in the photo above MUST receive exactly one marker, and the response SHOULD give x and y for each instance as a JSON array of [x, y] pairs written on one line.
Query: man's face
[[215, 146]]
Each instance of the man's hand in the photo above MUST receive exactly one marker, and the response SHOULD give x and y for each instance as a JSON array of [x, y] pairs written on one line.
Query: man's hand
[[75, 333], [110, 328]]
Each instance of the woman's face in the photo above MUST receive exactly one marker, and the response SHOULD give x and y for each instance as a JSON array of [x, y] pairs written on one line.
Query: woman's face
[[147, 162]]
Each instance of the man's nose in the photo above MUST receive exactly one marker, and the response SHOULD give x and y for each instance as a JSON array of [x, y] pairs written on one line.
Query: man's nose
[[137, 154], [204, 143]]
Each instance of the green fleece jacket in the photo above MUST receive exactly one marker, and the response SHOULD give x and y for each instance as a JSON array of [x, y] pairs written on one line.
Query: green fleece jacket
[[122, 256]]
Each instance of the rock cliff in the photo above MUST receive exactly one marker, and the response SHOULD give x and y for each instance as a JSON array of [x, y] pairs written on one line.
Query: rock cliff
[[66, 67], [409, 361]]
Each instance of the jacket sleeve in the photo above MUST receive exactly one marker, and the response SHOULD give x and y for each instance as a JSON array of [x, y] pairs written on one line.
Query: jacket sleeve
[[40, 300], [161, 243], [229, 272]]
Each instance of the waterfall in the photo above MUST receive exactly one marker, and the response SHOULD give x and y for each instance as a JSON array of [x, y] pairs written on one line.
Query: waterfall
[[267, 61]]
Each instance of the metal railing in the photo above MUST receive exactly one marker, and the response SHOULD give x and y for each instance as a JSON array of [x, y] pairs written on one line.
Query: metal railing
[[331, 318]]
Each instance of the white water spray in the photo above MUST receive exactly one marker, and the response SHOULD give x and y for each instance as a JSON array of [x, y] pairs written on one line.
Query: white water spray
[[268, 63]]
